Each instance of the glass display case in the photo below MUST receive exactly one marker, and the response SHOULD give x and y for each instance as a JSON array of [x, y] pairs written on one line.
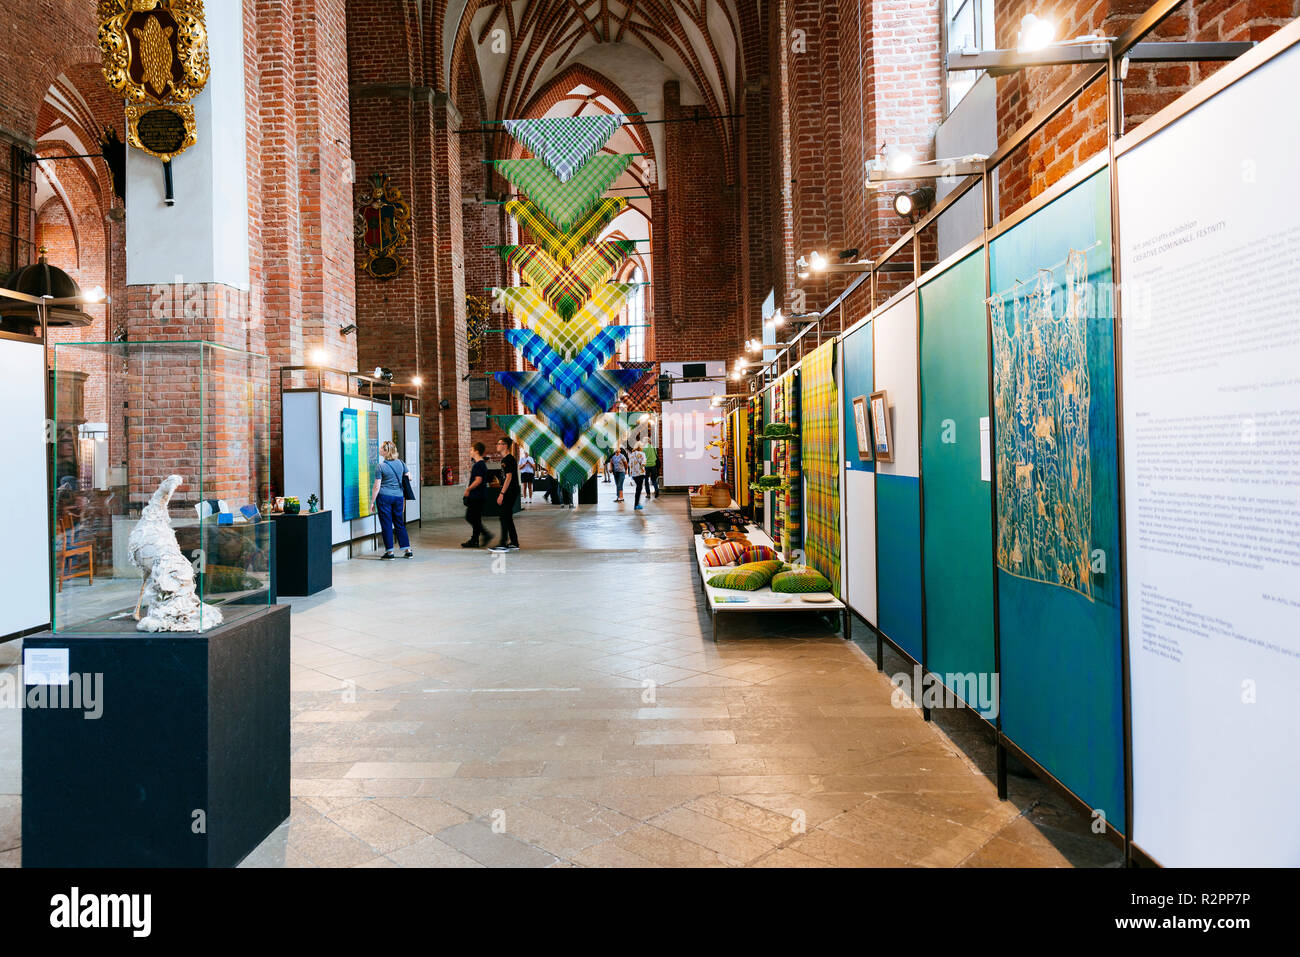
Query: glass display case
[[160, 469]]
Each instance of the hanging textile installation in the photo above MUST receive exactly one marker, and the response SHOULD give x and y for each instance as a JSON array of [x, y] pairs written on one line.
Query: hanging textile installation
[[565, 144], [792, 523], [820, 463], [568, 304], [564, 203], [566, 288]]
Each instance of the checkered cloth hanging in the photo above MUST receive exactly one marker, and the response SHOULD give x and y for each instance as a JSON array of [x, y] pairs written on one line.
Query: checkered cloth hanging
[[644, 395], [571, 337], [567, 288], [564, 143], [574, 464], [567, 377], [820, 429], [564, 244], [570, 415], [564, 203]]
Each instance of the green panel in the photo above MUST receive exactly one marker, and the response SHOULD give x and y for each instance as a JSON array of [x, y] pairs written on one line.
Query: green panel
[[958, 553]]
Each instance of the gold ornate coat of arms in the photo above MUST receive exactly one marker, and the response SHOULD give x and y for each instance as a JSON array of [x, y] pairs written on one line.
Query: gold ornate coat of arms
[[155, 55], [383, 227]]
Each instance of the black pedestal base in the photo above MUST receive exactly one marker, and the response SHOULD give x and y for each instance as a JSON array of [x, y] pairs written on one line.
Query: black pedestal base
[[187, 764]]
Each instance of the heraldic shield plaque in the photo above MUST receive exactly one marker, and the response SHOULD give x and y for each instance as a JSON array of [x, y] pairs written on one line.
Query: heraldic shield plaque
[[383, 227]]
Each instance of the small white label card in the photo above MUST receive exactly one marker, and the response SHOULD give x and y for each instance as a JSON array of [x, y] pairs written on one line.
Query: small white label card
[[45, 666], [986, 451]]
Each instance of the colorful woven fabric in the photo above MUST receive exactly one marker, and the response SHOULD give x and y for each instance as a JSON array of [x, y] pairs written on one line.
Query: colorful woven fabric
[[820, 432], [567, 288], [564, 202], [792, 507], [728, 553], [644, 396], [567, 376], [800, 582], [564, 143], [569, 416], [564, 244], [567, 338], [572, 465], [758, 553], [740, 579]]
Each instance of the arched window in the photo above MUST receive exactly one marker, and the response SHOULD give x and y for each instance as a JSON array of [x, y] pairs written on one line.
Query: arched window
[[635, 317]]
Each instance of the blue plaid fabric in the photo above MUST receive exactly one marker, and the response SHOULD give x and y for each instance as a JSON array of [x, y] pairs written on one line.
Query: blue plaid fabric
[[567, 377], [569, 416]]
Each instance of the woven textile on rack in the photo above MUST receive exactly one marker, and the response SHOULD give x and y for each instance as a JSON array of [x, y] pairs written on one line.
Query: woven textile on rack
[[644, 395], [567, 288], [567, 376], [565, 144], [564, 202], [571, 465], [564, 244], [792, 526], [569, 416], [568, 338], [742, 456], [820, 462], [776, 452]]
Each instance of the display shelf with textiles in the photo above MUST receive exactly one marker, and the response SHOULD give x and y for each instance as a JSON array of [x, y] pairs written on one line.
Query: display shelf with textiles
[[725, 600]]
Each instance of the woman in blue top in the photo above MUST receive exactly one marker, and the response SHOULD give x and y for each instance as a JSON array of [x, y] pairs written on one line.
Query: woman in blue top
[[389, 500]]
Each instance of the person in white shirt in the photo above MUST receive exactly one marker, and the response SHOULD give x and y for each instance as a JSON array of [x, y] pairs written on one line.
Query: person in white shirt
[[618, 465], [636, 469], [526, 468]]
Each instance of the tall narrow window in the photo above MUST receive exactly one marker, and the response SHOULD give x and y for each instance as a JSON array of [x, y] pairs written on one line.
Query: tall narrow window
[[635, 317]]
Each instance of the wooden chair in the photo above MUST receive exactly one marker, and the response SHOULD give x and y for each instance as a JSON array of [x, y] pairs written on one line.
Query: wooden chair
[[68, 549]]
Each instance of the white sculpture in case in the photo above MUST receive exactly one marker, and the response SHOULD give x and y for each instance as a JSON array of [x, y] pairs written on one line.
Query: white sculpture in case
[[167, 594]]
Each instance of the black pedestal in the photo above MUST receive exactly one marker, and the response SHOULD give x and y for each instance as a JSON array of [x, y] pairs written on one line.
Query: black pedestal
[[187, 764], [589, 494], [303, 553]]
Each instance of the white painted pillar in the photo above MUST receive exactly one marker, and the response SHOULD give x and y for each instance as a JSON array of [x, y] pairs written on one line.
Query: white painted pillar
[[203, 238]]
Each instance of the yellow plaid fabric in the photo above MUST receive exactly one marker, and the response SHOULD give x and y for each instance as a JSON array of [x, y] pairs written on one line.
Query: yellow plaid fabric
[[567, 338], [563, 245]]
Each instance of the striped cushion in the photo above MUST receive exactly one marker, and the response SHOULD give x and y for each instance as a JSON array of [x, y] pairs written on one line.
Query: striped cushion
[[728, 553], [758, 553]]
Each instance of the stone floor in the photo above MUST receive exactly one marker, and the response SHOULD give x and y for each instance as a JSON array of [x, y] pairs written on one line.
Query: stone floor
[[566, 705]]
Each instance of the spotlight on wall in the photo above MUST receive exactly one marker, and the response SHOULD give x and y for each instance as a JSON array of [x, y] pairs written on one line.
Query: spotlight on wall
[[817, 261], [445, 404], [911, 203], [778, 318], [1035, 33], [319, 357], [383, 374], [94, 295], [801, 267], [418, 381], [897, 159], [348, 329]]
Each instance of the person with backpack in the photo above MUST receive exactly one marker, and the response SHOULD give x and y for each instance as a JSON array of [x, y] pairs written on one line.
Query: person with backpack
[[388, 500]]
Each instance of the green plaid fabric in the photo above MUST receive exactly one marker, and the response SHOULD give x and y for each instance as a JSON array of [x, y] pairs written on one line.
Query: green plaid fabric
[[821, 463], [571, 465], [564, 202], [564, 143], [564, 244], [567, 288], [569, 338], [569, 415]]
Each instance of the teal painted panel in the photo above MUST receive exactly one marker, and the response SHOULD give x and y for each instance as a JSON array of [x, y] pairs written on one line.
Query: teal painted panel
[[898, 560], [1059, 620], [857, 350], [958, 564]]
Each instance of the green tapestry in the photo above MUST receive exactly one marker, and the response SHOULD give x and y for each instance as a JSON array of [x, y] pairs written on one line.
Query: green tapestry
[[564, 203]]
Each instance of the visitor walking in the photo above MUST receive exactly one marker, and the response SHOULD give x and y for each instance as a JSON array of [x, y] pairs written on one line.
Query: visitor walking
[[636, 468], [509, 495], [618, 465], [526, 467], [475, 496], [652, 469], [388, 500]]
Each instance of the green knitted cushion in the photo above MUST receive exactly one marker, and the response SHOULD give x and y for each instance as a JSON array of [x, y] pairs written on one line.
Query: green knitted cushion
[[741, 579], [799, 582]]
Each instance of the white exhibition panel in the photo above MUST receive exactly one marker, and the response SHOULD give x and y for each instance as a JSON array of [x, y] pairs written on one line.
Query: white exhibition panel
[[301, 447], [858, 558], [684, 436], [410, 425], [1210, 245], [24, 561], [895, 356]]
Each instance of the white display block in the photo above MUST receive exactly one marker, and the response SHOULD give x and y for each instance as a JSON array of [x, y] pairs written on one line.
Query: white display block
[[1210, 254], [859, 543], [24, 561]]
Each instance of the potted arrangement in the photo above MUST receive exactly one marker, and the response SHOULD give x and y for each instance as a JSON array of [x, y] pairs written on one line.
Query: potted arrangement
[[313, 504], [291, 505]]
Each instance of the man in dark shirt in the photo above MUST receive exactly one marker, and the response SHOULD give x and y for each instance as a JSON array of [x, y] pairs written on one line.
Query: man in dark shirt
[[475, 495], [509, 494]]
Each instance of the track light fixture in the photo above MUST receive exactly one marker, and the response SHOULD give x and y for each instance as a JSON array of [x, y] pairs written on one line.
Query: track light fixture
[[909, 204]]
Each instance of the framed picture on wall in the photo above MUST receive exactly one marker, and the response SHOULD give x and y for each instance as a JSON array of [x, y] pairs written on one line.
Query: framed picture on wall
[[880, 430], [478, 419], [863, 425], [478, 389]]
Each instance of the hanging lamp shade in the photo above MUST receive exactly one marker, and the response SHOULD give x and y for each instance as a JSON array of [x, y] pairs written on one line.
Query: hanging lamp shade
[[41, 279]]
